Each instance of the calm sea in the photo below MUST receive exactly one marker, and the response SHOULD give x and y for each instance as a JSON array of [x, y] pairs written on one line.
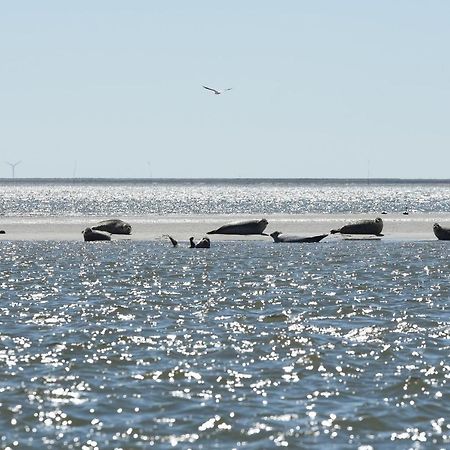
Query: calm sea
[[136, 345]]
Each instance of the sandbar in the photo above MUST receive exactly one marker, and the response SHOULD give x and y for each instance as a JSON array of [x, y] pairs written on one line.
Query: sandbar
[[417, 226]]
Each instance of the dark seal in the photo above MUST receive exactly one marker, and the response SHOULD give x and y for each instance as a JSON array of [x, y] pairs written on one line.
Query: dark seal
[[204, 243], [443, 234], [94, 235], [113, 226], [362, 227], [243, 228]]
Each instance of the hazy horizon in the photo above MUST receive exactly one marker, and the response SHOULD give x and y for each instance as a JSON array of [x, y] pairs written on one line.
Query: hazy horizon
[[312, 179]]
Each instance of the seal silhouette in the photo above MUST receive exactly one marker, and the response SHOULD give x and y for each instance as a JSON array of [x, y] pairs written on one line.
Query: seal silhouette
[[94, 235], [244, 227], [374, 226], [277, 236], [442, 233], [204, 243], [113, 226]]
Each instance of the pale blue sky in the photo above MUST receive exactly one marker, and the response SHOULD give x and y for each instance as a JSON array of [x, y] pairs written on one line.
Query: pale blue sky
[[320, 88]]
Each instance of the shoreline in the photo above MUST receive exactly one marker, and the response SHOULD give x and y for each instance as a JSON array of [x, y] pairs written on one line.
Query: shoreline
[[415, 226]]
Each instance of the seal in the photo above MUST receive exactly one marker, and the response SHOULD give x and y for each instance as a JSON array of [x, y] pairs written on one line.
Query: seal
[[113, 226], [277, 236], [204, 243], [243, 228], [362, 227], [174, 241], [2, 232], [191, 242], [94, 235], [443, 234]]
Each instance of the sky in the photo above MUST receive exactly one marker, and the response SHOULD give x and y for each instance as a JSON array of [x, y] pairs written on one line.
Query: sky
[[320, 89]]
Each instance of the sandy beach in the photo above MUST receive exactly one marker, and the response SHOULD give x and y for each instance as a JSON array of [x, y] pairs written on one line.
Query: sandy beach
[[415, 226]]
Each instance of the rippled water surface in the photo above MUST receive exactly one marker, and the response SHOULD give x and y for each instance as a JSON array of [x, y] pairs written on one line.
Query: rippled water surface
[[140, 197], [337, 345]]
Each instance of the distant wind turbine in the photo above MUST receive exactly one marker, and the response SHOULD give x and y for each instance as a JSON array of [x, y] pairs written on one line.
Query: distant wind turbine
[[216, 91], [13, 167], [149, 169]]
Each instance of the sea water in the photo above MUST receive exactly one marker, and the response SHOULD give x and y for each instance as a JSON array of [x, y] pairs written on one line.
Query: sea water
[[133, 345], [144, 197]]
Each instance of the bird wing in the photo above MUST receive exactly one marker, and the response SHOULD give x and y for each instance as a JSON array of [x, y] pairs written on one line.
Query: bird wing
[[211, 89]]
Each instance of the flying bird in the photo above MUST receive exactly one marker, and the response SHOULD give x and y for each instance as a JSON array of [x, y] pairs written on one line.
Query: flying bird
[[216, 91]]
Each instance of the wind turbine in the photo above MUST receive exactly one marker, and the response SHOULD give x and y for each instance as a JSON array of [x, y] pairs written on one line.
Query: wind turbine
[[13, 168]]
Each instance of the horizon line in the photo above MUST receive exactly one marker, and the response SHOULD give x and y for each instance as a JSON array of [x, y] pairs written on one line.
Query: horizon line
[[365, 180]]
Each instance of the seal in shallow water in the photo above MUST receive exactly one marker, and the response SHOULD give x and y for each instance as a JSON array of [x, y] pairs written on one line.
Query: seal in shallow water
[[204, 243], [443, 234], [243, 228], [94, 235], [113, 226], [281, 237], [174, 241], [362, 227]]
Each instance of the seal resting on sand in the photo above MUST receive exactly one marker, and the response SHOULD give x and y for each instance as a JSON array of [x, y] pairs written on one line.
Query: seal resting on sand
[[281, 237], [2, 232], [94, 235], [113, 226], [362, 227], [204, 243], [245, 227], [443, 234]]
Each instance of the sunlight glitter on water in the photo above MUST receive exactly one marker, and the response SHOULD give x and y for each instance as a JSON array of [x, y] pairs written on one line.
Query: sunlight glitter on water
[[248, 342], [165, 197]]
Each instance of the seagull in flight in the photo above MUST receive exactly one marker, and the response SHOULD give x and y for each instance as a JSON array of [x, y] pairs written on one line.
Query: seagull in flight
[[216, 91]]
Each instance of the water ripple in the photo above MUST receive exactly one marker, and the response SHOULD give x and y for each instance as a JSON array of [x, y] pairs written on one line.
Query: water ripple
[[136, 344], [163, 197]]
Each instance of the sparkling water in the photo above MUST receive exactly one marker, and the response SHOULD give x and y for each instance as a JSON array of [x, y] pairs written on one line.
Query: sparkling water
[[142, 197], [136, 345]]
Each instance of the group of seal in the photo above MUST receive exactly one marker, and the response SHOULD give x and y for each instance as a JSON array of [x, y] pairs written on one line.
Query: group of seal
[[204, 243], [257, 227], [247, 228], [103, 230]]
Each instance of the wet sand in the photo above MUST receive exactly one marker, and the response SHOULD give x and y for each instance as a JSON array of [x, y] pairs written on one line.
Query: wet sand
[[417, 226]]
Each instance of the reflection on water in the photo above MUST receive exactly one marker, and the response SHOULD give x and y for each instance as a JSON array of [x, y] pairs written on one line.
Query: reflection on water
[[140, 197], [249, 344]]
